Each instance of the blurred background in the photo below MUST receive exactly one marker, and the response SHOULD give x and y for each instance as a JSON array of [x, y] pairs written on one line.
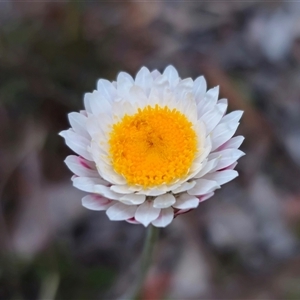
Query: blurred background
[[241, 244]]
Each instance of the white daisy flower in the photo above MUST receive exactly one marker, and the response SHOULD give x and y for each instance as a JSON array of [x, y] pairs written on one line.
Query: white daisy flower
[[152, 147]]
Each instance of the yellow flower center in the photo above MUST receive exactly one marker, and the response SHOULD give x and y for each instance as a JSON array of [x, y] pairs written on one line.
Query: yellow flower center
[[154, 146]]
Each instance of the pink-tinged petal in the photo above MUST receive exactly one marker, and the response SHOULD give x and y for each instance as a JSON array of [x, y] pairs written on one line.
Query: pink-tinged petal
[[120, 211], [199, 89], [222, 177], [230, 167], [87, 184], [80, 166], [186, 201], [164, 201], [205, 197], [203, 186], [132, 221], [87, 163], [133, 199], [226, 158], [146, 213], [181, 212], [96, 202], [106, 89], [77, 121], [165, 217], [144, 80], [233, 143], [184, 187], [77, 143], [222, 133]]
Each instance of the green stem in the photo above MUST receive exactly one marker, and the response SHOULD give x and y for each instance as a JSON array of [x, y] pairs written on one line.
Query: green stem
[[146, 259]]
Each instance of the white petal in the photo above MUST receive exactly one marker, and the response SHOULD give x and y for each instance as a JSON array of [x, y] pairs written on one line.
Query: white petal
[[213, 117], [133, 199], [107, 172], [234, 116], [124, 83], [199, 89], [207, 167], [209, 101], [81, 167], [107, 192], [204, 148], [120, 211], [183, 90], [171, 73], [164, 201], [144, 80], [87, 184], [226, 158], [96, 202], [83, 112], [157, 92], [153, 191], [213, 94], [106, 89], [222, 177], [188, 107], [155, 74], [203, 186], [165, 217], [77, 121], [146, 213], [137, 96], [233, 143], [184, 187], [93, 125], [186, 201], [77, 143], [186, 84], [121, 189], [222, 133], [86, 102], [99, 104]]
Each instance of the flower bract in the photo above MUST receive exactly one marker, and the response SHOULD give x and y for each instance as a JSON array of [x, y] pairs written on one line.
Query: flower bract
[[152, 147]]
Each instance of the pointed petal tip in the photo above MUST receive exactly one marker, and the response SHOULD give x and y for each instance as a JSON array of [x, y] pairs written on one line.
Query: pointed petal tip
[[62, 133]]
